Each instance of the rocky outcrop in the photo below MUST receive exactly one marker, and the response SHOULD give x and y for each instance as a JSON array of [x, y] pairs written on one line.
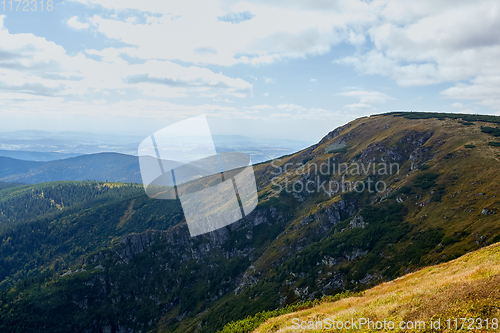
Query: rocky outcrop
[[336, 212], [357, 222], [410, 147], [333, 134], [487, 211], [356, 253], [134, 244]]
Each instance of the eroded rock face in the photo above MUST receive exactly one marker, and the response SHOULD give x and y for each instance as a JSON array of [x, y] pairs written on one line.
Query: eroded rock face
[[333, 214], [356, 253], [357, 222], [339, 144], [410, 147], [336, 282], [369, 278], [333, 134], [247, 280], [134, 244]]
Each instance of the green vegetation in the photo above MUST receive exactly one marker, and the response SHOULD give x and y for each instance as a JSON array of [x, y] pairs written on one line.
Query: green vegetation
[[48, 227], [252, 322], [48, 201], [184, 283], [342, 150], [405, 189], [442, 116], [426, 180], [495, 131], [386, 226], [438, 193], [469, 146], [494, 144]]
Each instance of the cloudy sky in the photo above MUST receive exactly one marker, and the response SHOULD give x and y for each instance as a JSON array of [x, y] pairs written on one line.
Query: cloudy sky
[[267, 68]]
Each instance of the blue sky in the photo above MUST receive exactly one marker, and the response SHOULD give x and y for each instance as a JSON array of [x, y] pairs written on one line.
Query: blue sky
[[274, 69]]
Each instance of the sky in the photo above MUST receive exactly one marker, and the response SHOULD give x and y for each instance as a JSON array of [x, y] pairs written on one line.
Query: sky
[[289, 69]]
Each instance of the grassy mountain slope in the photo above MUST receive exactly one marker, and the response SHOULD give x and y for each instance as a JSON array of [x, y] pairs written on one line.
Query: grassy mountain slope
[[298, 244], [467, 287], [100, 167]]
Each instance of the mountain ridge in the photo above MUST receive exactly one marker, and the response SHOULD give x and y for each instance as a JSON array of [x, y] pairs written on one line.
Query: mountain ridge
[[37, 156], [296, 245], [99, 167]]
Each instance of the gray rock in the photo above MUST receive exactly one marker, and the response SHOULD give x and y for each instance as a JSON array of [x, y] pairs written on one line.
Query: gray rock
[[357, 222], [486, 211]]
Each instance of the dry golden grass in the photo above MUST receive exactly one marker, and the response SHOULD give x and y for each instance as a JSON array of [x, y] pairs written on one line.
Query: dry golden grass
[[466, 287]]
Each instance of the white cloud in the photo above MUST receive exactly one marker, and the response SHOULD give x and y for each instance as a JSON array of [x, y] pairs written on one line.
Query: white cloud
[[429, 42], [193, 78], [269, 80], [414, 43], [174, 43], [261, 107], [142, 107], [266, 31], [33, 65], [73, 22], [366, 98], [358, 106], [458, 105], [300, 112], [483, 88]]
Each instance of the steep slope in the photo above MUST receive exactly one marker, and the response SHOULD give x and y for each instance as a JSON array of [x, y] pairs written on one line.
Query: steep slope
[[100, 167], [313, 233], [48, 227], [467, 287]]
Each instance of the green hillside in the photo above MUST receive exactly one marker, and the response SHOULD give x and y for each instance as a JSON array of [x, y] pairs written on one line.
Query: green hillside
[[47, 227], [303, 241]]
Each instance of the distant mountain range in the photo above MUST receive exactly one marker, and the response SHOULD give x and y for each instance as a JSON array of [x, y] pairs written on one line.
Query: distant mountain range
[[102, 167], [36, 155], [71, 160], [49, 146], [113, 167]]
